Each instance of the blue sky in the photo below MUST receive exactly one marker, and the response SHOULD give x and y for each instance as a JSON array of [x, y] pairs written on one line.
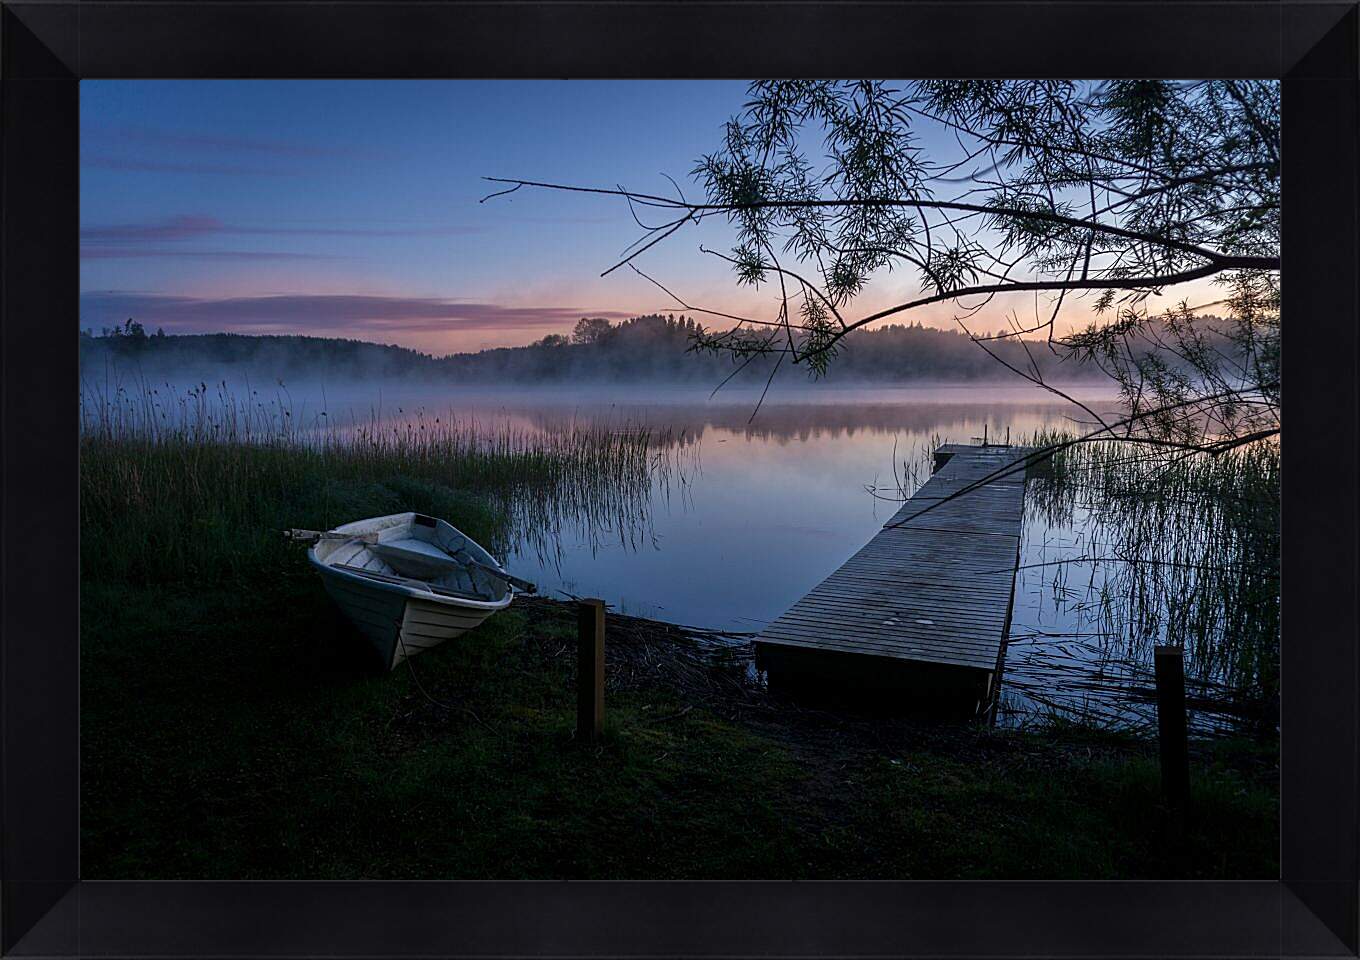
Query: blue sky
[[350, 208], [314, 191]]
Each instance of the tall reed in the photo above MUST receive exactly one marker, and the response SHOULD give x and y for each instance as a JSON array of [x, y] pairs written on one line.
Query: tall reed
[[197, 482], [1187, 548]]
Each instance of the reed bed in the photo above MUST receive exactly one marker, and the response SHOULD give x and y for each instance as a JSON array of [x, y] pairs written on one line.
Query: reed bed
[[1180, 548], [198, 482]]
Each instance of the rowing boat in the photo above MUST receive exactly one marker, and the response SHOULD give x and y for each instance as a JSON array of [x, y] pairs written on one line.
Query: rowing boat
[[408, 582]]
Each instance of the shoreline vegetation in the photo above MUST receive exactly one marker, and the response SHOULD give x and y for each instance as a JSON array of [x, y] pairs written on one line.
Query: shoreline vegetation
[[233, 727], [1182, 550]]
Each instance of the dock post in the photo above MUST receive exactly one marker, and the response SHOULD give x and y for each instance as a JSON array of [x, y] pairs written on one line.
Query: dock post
[[1169, 668], [589, 670]]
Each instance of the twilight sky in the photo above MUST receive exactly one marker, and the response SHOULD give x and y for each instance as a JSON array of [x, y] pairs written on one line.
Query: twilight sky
[[350, 208]]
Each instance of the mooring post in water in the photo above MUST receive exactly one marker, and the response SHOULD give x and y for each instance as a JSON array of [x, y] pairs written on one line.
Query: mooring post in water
[[589, 670], [1169, 667]]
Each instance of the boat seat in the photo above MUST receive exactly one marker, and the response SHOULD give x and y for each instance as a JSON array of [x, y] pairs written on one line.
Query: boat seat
[[414, 556]]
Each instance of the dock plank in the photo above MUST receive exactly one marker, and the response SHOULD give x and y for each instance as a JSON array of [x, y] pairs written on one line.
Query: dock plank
[[934, 585]]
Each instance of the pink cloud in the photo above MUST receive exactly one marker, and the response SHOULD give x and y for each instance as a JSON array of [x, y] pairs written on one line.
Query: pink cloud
[[107, 162], [112, 240], [132, 253], [337, 315]]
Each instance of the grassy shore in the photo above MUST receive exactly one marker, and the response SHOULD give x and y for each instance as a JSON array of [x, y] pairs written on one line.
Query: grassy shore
[[233, 727], [228, 736]]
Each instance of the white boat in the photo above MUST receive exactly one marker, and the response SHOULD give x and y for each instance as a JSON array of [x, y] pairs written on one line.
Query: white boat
[[408, 582]]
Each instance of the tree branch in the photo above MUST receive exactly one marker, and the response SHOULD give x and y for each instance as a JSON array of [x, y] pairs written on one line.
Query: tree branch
[[1077, 223]]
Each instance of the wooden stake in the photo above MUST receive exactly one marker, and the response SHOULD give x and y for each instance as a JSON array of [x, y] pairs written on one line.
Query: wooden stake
[[1169, 667], [589, 670]]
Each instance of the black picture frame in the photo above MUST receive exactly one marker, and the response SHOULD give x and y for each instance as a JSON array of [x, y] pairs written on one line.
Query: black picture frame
[[48, 46]]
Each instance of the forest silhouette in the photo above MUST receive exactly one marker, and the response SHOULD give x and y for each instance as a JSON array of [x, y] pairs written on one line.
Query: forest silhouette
[[644, 349]]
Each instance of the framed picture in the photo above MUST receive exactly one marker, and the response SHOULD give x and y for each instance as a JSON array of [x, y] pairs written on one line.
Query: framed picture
[[681, 450]]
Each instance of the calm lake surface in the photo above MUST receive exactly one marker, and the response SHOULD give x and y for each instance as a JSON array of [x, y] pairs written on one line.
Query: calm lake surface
[[746, 510], [750, 513]]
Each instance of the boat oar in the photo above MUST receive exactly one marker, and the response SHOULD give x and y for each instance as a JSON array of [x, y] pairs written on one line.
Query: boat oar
[[523, 586], [461, 559], [406, 582], [312, 536]]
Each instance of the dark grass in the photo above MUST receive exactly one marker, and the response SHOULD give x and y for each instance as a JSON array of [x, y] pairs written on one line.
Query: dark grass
[[230, 735]]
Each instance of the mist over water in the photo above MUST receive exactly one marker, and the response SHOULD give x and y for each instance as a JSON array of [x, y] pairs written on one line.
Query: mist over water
[[752, 504]]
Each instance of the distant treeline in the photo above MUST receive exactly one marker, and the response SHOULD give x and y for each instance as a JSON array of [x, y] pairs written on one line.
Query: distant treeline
[[644, 349]]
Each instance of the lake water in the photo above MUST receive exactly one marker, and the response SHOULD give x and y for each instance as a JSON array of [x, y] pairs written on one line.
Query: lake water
[[757, 513], [755, 507], [755, 510]]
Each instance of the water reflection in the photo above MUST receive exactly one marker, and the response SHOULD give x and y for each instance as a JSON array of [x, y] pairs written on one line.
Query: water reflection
[[733, 514], [1123, 553]]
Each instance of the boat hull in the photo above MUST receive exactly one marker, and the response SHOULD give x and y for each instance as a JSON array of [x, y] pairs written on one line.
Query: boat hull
[[400, 627], [399, 616]]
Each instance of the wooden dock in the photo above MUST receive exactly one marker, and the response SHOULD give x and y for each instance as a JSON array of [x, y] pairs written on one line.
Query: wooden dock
[[921, 613]]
